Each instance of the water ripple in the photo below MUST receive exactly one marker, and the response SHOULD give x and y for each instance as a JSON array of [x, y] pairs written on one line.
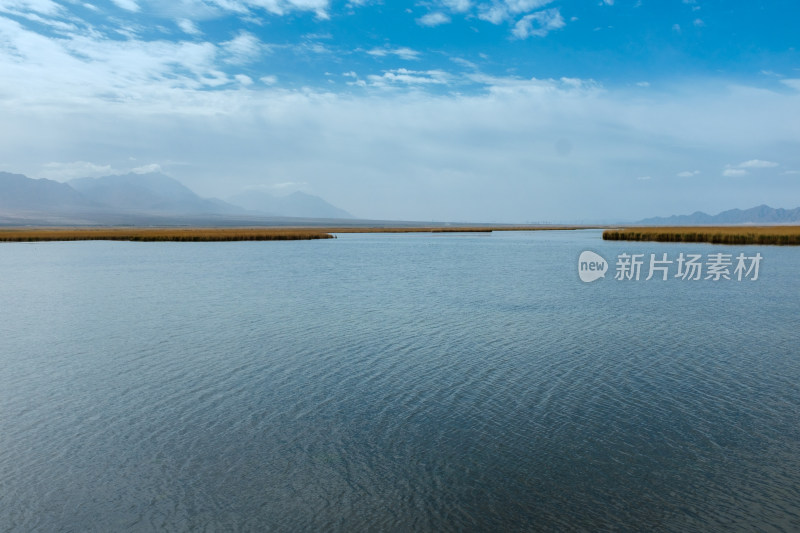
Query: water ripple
[[391, 383]]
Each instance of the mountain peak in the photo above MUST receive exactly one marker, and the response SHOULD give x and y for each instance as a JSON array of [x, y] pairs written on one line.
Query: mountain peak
[[151, 192], [18, 192]]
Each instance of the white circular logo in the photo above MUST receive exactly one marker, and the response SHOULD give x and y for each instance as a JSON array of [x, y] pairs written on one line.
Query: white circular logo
[[591, 266]]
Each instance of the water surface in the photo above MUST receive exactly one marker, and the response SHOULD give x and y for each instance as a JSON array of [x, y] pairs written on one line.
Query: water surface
[[395, 383]]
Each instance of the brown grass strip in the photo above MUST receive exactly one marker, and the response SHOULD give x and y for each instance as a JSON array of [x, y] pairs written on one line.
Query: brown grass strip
[[160, 234], [777, 235]]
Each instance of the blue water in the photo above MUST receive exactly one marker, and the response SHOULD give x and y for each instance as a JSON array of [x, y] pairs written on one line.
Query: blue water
[[394, 383]]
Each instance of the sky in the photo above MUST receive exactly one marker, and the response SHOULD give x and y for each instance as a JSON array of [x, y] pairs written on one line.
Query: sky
[[438, 110]]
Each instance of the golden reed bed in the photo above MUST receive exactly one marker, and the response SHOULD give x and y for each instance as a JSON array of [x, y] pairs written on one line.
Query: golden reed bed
[[159, 234], [229, 234], [780, 235]]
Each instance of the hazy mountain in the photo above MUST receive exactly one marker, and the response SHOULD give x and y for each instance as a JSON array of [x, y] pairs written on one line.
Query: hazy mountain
[[152, 192], [763, 214], [296, 204], [146, 199], [20, 193]]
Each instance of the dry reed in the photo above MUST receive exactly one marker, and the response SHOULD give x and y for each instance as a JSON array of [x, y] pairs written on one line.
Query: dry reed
[[160, 234], [778, 235]]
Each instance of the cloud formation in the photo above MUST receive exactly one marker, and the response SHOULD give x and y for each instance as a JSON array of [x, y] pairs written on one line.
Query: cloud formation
[[526, 17], [757, 163], [688, 173], [187, 26], [402, 52], [742, 168], [129, 5], [433, 19], [244, 48], [734, 172], [539, 24], [409, 77], [452, 138], [793, 83], [43, 7], [275, 7], [76, 169]]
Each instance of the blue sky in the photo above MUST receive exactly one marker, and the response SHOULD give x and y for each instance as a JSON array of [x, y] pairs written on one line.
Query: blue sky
[[495, 110]]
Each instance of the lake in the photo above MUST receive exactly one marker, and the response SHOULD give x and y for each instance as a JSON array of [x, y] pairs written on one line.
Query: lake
[[382, 382]]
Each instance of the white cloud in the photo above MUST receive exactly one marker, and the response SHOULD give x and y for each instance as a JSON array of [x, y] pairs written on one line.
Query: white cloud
[[409, 77], [699, 23], [538, 24], [44, 70], [644, 178], [525, 6], [269, 80], [742, 168], [495, 13], [499, 11], [316, 48], [734, 172], [464, 63], [608, 2], [457, 6], [644, 84], [433, 19], [129, 5], [147, 169], [793, 83], [58, 25], [214, 78], [247, 10], [281, 7], [402, 52], [757, 163], [688, 173], [243, 79], [187, 26], [44, 7], [244, 48], [76, 169]]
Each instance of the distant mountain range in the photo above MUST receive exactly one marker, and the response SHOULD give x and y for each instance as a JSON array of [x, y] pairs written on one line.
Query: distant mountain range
[[142, 198], [763, 214]]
